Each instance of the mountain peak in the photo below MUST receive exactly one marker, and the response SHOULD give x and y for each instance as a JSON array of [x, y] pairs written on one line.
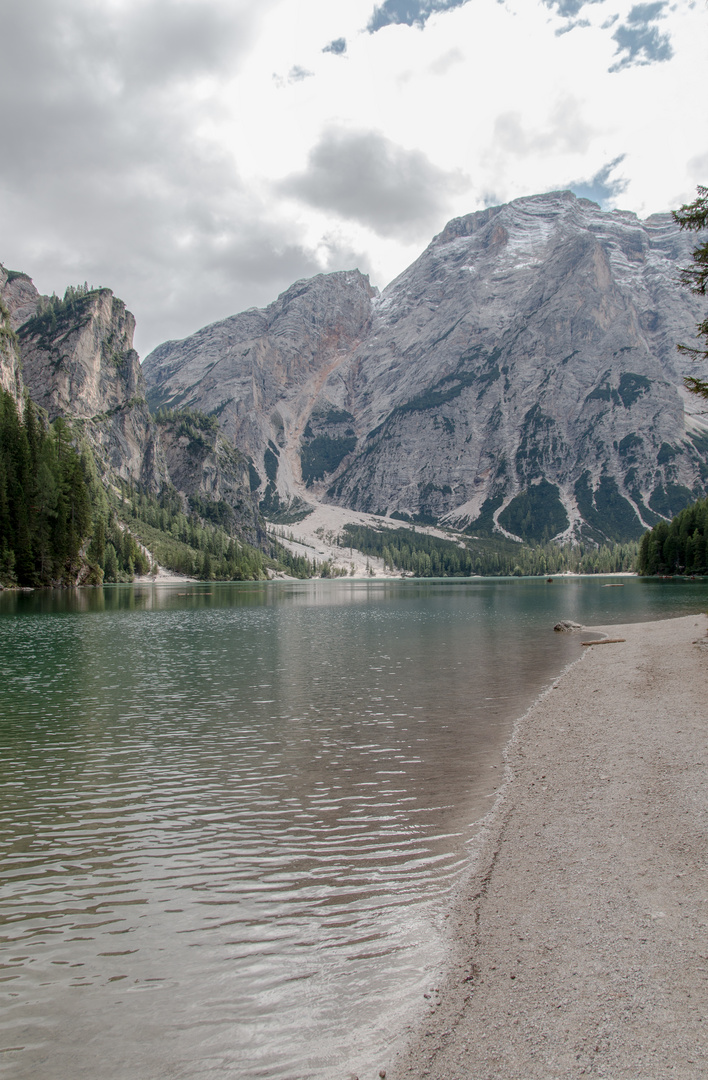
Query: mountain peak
[[520, 375]]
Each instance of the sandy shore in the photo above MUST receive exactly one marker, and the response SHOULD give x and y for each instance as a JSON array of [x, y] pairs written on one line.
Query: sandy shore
[[581, 942]]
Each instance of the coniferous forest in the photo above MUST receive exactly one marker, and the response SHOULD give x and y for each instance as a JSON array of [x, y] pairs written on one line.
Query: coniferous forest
[[61, 525], [423, 555], [677, 546], [46, 512]]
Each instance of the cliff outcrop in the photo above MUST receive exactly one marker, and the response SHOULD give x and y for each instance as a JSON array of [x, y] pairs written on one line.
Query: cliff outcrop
[[78, 362], [261, 373], [212, 474], [10, 363]]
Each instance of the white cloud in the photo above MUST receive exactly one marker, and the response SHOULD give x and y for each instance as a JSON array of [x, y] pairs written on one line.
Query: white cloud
[[149, 147], [365, 177]]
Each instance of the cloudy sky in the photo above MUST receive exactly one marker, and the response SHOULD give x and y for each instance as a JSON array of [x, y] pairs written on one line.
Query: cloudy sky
[[198, 156]]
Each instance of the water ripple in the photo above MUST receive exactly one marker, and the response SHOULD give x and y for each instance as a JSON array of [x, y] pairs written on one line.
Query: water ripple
[[228, 822]]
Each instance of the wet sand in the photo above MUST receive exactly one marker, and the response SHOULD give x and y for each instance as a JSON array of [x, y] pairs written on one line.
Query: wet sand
[[581, 940]]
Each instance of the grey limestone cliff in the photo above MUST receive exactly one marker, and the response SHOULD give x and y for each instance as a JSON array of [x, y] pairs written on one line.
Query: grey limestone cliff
[[10, 363], [261, 373], [78, 362], [211, 473], [521, 375]]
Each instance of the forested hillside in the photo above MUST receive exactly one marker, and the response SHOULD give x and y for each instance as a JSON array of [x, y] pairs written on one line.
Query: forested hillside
[[61, 525], [423, 555], [46, 496]]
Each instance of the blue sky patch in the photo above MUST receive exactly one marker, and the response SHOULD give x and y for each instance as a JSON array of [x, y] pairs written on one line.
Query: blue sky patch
[[638, 42], [408, 12], [601, 189], [569, 8], [338, 46]]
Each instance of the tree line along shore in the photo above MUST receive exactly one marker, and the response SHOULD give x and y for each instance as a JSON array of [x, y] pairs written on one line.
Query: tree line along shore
[[62, 524]]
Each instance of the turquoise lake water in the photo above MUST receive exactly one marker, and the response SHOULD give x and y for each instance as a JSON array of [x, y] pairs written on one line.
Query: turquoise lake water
[[230, 815]]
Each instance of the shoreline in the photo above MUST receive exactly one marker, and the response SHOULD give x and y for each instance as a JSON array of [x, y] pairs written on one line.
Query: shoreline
[[579, 942]]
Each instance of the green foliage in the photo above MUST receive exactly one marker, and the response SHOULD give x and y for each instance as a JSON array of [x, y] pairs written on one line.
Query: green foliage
[[604, 392], [327, 439], [12, 275], [417, 553], [286, 513], [192, 423], [629, 446], [666, 454], [437, 395], [536, 515], [187, 543], [254, 479], [486, 379], [270, 462], [631, 483], [216, 512], [123, 555], [56, 516], [431, 556], [678, 546], [608, 515], [694, 217], [540, 444], [449, 386], [430, 505], [670, 500], [329, 417], [46, 506], [55, 316], [323, 455], [483, 525], [8, 337], [631, 387]]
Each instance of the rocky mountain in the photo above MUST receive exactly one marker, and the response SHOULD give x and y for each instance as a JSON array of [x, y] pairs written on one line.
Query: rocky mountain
[[10, 363], [521, 376], [261, 373], [214, 476], [78, 362]]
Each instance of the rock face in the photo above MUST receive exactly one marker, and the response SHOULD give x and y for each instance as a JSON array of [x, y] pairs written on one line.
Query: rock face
[[202, 464], [10, 364], [78, 362], [521, 376], [19, 296], [10, 376], [261, 373]]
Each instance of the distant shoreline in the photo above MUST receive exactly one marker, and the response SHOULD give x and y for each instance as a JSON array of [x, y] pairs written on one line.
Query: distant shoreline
[[167, 578], [579, 936]]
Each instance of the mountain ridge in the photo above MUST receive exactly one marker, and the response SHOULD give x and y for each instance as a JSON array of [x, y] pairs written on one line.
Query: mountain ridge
[[75, 358], [522, 369]]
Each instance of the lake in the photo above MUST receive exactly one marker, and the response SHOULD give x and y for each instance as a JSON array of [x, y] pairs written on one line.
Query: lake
[[231, 816]]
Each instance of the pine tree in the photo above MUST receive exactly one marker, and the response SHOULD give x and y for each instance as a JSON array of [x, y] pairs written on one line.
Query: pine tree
[[110, 565], [694, 216]]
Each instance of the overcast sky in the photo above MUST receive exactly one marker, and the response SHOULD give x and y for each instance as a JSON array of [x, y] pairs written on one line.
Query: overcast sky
[[198, 156]]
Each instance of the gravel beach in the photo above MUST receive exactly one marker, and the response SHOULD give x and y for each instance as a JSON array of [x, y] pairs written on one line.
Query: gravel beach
[[581, 941]]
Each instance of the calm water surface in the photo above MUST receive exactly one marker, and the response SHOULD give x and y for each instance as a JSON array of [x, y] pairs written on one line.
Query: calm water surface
[[230, 815]]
